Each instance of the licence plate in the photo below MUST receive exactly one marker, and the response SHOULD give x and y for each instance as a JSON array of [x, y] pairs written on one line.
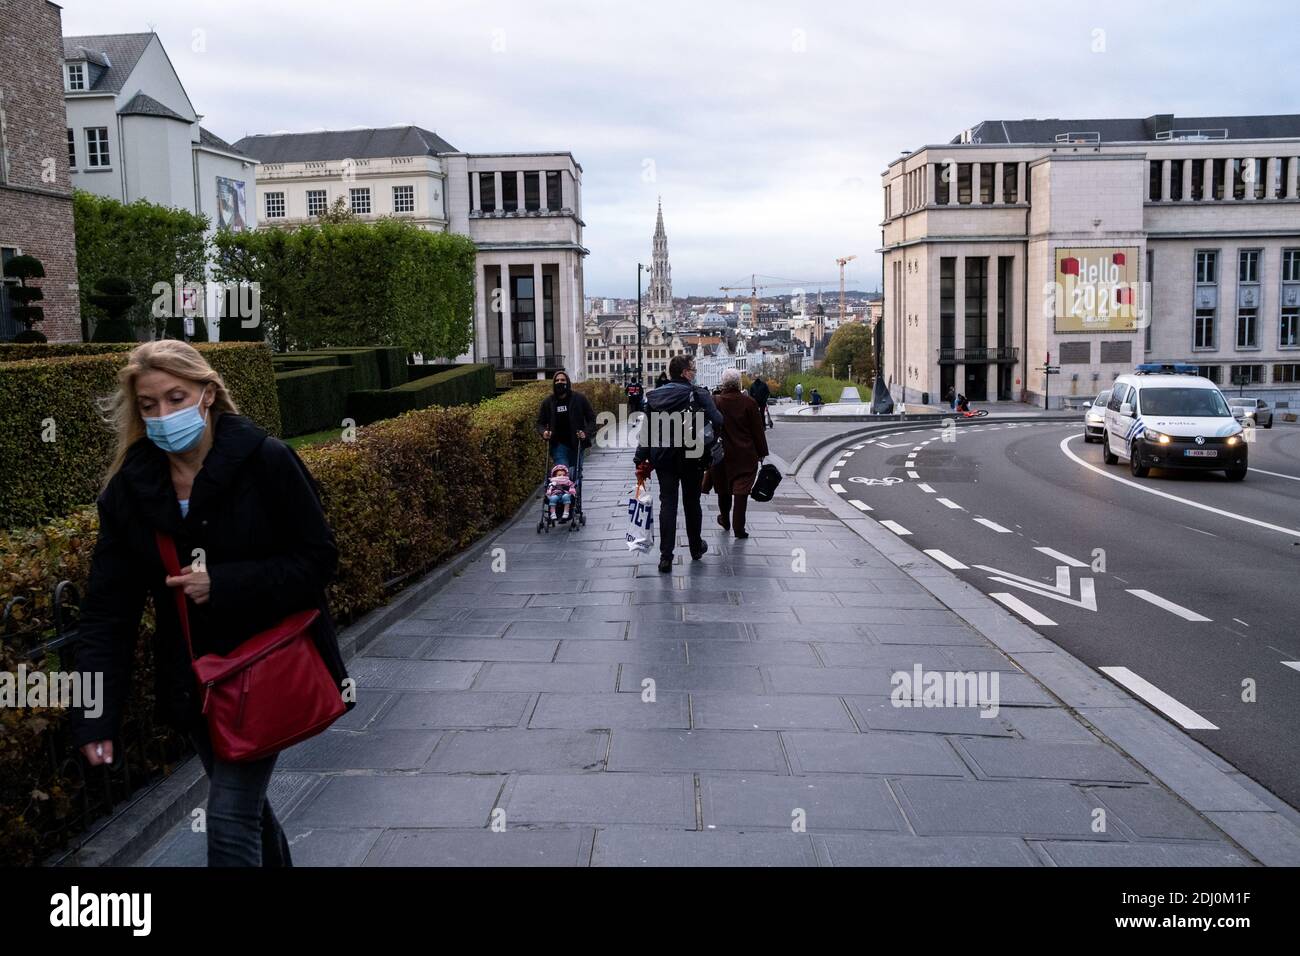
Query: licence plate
[[1201, 453]]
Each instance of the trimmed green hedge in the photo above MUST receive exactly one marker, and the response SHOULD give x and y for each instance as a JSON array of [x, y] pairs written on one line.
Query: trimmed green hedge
[[467, 385], [13, 352], [54, 443], [313, 399], [364, 364], [395, 500]]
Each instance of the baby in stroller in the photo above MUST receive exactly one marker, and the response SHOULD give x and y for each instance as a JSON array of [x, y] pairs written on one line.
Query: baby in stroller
[[560, 493]]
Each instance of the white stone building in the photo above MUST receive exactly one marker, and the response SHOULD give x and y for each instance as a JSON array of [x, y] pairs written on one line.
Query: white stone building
[[611, 349], [1102, 243], [523, 211]]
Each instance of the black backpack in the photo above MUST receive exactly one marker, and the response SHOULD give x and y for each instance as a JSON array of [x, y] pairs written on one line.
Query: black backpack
[[709, 437], [769, 476]]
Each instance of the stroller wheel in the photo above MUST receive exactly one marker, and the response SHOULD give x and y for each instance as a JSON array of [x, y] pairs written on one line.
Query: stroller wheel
[[582, 519], [539, 526]]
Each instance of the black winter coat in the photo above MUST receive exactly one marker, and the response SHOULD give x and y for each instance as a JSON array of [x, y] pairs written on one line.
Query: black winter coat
[[582, 418], [255, 512]]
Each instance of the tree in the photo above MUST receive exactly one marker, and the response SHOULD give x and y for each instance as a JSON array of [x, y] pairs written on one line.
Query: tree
[[851, 346], [338, 212], [24, 269], [114, 297]]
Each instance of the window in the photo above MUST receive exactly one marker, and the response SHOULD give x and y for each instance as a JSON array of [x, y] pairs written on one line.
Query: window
[[1240, 170], [72, 149], [317, 203], [1117, 397], [1289, 328], [1203, 329], [532, 194], [509, 192], [1010, 182], [275, 205], [1192, 402], [1176, 179], [76, 76], [1205, 262], [1247, 329], [977, 300], [963, 183], [1291, 265], [947, 302], [487, 192], [97, 147], [940, 186], [1261, 178], [1247, 375], [554, 190], [1219, 172], [1153, 181], [1286, 374], [360, 199], [1198, 179], [403, 199], [986, 182], [1248, 265], [1213, 372]]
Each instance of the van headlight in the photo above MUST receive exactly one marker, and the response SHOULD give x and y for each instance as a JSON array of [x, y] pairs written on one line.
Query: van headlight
[[1233, 439], [1159, 438]]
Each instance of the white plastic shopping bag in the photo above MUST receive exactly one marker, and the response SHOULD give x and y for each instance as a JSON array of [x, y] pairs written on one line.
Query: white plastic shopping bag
[[641, 519]]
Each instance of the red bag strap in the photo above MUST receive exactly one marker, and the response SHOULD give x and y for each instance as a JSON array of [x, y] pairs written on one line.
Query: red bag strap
[[172, 563]]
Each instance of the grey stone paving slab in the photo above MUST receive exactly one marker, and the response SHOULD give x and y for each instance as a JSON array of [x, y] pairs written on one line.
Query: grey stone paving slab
[[597, 599], [509, 582], [370, 705], [1045, 723], [1268, 836], [977, 659], [412, 675], [477, 599], [1153, 814], [520, 751], [887, 850], [756, 751], [813, 751], [625, 847], [693, 633], [488, 649], [864, 599], [371, 750], [512, 615], [918, 633], [601, 798], [787, 599], [628, 612], [912, 618], [750, 652], [734, 678], [456, 710], [643, 650], [326, 846], [819, 633], [404, 800], [828, 803], [397, 644], [569, 630], [869, 681], [1022, 808], [769, 712], [882, 713], [1048, 760], [482, 847], [547, 677], [895, 657], [592, 711], [1070, 853]]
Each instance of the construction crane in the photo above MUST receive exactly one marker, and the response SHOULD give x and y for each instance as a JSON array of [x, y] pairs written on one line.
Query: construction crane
[[842, 263], [754, 288]]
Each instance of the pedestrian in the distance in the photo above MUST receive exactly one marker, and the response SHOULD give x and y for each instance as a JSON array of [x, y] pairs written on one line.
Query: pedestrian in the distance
[[662, 379], [951, 397], [744, 443], [190, 467], [760, 393], [798, 393], [816, 398]]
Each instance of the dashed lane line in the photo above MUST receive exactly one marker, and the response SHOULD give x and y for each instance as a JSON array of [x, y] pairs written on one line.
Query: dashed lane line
[[1023, 609], [926, 488], [1179, 713], [1169, 606], [949, 503], [838, 489], [897, 528], [1294, 665], [1275, 474], [860, 505], [993, 525], [947, 560], [1063, 558], [913, 475]]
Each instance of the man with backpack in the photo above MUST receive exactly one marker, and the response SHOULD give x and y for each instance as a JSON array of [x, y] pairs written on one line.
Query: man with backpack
[[681, 463], [760, 393]]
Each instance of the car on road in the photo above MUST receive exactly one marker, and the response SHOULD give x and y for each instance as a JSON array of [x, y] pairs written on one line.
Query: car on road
[[1251, 411], [1167, 416], [1094, 418]]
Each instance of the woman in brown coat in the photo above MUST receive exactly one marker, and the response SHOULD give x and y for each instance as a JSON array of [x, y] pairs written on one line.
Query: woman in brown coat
[[744, 442]]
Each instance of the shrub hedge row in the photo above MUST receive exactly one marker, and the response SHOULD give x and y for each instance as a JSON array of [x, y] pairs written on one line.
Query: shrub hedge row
[[313, 399], [465, 385], [54, 442], [396, 500]]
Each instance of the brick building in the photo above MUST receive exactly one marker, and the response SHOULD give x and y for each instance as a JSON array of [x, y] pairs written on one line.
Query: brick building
[[35, 192]]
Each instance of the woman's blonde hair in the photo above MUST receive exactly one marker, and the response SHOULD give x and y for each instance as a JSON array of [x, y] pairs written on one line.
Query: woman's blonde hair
[[166, 355]]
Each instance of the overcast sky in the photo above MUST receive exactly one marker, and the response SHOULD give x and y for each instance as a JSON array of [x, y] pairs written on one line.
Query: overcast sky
[[764, 126]]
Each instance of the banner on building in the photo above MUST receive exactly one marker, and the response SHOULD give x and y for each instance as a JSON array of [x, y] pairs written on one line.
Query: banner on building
[[232, 213], [1097, 289]]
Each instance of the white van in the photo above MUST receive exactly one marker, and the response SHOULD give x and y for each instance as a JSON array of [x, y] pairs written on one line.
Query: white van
[[1168, 416]]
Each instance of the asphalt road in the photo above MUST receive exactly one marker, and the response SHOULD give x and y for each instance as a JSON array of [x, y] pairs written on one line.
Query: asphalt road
[[1216, 565]]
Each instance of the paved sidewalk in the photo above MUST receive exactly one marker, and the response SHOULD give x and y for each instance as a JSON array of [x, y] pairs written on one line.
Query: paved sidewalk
[[512, 701]]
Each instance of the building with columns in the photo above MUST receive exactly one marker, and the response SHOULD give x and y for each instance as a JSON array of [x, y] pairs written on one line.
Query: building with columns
[[523, 211], [1101, 243]]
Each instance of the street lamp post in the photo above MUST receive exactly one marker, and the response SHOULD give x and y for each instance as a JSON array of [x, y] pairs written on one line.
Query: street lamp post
[[640, 379]]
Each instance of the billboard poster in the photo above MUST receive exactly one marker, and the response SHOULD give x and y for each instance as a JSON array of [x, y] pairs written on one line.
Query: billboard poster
[[232, 214], [1097, 289]]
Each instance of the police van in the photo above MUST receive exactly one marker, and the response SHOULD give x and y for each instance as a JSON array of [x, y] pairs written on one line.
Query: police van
[[1166, 415]]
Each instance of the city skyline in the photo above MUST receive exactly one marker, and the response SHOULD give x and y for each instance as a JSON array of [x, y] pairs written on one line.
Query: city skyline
[[767, 163]]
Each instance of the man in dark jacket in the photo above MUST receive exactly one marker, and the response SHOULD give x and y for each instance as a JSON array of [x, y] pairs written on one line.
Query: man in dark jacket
[[566, 420], [760, 393], [662, 379], [674, 463]]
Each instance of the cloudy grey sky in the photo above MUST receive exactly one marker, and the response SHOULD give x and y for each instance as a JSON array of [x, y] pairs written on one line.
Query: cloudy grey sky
[[764, 125]]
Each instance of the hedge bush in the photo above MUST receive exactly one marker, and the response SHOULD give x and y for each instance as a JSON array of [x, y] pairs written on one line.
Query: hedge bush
[[312, 399], [364, 364], [466, 385], [54, 443], [396, 499]]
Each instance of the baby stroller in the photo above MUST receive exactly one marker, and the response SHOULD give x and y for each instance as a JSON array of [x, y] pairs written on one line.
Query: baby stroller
[[575, 518]]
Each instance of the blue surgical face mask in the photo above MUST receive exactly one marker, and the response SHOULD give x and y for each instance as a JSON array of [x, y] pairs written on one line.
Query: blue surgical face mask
[[179, 431]]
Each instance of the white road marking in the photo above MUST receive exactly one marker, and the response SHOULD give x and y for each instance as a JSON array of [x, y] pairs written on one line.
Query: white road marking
[[849, 453], [1199, 531], [1294, 665], [835, 474], [838, 489], [926, 488], [861, 506], [994, 525], [841, 463], [949, 503], [1063, 558], [1185, 717], [1169, 606], [858, 447], [1164, 494], [947, 560], [1023, 609], [1275, 474], [1241, 622], [895, 527], [912, 474], [1087, 598], [917, 448]]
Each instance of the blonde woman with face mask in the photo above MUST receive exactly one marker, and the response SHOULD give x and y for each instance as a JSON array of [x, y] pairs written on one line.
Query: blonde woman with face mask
[[254, 547]]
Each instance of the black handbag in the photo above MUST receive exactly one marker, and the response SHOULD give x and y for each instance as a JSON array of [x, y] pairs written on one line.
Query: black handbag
[[769, 476]]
